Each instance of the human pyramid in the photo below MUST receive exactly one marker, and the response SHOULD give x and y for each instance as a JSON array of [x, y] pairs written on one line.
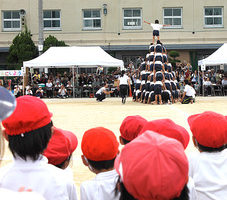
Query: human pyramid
[[155, 78]]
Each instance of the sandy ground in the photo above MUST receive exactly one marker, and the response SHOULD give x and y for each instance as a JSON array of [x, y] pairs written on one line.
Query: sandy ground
[[79, 115]]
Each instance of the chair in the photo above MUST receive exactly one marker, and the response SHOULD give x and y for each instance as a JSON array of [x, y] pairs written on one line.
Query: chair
[[224, 90], [218, 90]]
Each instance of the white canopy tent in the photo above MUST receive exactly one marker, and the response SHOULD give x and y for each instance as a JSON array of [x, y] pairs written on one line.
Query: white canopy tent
[[75, 56], [219, 57], [61, 57]]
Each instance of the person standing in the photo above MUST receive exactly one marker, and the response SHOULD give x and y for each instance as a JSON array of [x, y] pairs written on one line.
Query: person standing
[[124, 83]]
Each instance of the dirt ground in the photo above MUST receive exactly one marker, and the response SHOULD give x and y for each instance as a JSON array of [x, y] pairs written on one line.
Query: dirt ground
[[79, 115]]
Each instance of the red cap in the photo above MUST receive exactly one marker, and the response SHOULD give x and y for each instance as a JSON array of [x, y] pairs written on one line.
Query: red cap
[[131, 126], [61, 145], [99, 144], [31, 113], [153, 166], [168, 128], [209, 129]]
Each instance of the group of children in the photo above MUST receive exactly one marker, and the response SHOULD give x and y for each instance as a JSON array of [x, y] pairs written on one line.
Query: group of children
[[151, 165], [155, 79]]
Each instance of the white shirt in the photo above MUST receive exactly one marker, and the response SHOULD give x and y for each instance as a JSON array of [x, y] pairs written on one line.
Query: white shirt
[[189, 91], [209, 173], [102, 187], [11, 195], [100, 91], [156, 27], [49, 84], [40, 177], [123, 80], [191, 188], [62, 91]]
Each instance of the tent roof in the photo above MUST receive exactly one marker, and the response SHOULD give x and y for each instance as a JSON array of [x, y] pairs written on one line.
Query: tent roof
[[217, 58], [74, 56]]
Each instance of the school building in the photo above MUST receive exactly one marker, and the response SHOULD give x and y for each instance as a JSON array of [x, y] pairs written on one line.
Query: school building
[[197, 27]]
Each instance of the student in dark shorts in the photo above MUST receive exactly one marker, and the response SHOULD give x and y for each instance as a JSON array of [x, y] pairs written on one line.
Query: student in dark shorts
[[157, 91]]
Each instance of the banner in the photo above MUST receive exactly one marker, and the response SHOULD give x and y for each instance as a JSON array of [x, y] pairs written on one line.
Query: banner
[[11, 73]]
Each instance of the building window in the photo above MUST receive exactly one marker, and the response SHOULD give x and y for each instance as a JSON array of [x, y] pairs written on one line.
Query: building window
[[92, 19], [51, 20], [173, 17], [213, 17], [132, 18], [11, 21]]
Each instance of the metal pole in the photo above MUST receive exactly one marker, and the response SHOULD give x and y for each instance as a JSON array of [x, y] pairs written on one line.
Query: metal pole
[[202, 81], [40, 15], [73, 81]]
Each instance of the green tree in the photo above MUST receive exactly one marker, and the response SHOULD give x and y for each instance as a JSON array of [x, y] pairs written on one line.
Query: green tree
[[22, 49], [52, 41], [173, 58]]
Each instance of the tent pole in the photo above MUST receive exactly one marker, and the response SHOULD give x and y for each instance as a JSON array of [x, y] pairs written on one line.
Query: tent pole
[[202, 82], [73, 82], [23, 81]]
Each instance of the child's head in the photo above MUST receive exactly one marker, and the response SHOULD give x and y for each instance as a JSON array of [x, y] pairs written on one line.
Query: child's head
[[168, 128], [156, 21], [100, 148], [60, 148], [209, 130], [130, 128], [150, 166], [29, 128]]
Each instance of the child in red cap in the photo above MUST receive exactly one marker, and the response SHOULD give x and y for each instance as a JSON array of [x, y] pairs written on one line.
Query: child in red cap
[[100, 148], [130, 128], [7, 105], [208, 166], [152, 166], [60, 148], [28, 131]]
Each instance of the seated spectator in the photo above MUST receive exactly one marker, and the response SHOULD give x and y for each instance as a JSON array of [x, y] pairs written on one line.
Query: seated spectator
[[100, 148], [130, 128], [56, 88], [224, 81], [207, 83], [153, 166], [17, 91], [39, 92], [28, 131], [62, 92], [28, 91], [207, 167], [69, 87], [49, 88]]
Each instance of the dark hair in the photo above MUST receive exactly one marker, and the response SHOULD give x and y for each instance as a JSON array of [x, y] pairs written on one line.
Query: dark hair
[[124, 194], [210, 149], [156, 21], [125, 141], [31, 144], [99, 165], [63, 163], [159, 42], [186, 81], [122, 73]]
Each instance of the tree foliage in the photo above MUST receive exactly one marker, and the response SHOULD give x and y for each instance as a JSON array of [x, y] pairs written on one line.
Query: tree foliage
[[52, 41], [22, 49], [173, 58]]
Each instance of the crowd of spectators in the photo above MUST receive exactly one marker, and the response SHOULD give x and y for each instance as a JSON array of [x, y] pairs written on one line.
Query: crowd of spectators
[[60, 85]]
